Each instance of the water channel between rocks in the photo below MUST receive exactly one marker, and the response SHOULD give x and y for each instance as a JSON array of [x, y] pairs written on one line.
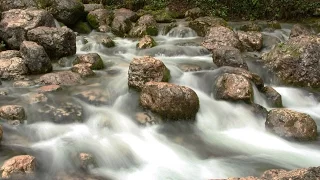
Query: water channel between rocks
[[227, 140]]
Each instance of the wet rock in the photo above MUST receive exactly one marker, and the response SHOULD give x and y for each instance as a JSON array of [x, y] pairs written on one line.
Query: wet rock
[[66, 78], [9, 54], [146, 42], [202, 25], [86, 160], [57, 42], [251, 41], [127, 14], [258, 110], [12, 112], [301, 30], [147, 118], [96, 97], [6, 5], [121, 26], [189, 67], [167, 28], [66, 11], [303, 174], [228, 56], [233, 87], [254, 78], [146, 25], [61, 112], [270, 41], [296, 62], [18, 165], [291, 124], [92, 7], [170, 101], [93, 60], [273, 97], [221, 36], [23, 84], [82, 27], [83, 69], [146, 69], [36, 58], [12, 68], [163, 16], [16, 22], [105, 40], [100, 17], [35, 98], [49, 88], [194, 13], [274, 24], [250, 27]]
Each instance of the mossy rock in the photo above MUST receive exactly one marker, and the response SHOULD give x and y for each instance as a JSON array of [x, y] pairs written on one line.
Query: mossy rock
[[82, 27], [167, 28], [163, 16], [167, 75], [274, 25], [93, 21], [250, 27]]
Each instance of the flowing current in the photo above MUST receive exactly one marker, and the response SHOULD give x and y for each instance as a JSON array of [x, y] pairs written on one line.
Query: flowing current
[[227, 140]]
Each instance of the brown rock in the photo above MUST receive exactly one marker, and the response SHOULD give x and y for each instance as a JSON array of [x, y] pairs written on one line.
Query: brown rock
[[100, 17], [194, 13], [146, 69], [86, 160], [233, 87], [291, 124], [12, 112], [12, 68], [35, 98], [273, 97], [170, 101], [146, 25], [126, 13], [92, 60], [83, 69], [202, 25], [221, 36], [49, 88], [228, 56], [189, 67], [146, 42], [96, 96], [18, 165], [301, 30], [66, 78], [312, 173], [8, 54], [23, 84], [251, 40]]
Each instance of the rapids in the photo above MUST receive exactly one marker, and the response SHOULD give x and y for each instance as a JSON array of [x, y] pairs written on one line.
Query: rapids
[[227, 140]]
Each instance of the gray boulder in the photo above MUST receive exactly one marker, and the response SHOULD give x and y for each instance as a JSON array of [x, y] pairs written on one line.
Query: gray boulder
[[100, 19], [251, 40], [146, 25], [228, 56], [15, 24], [58, 42], [66, 78], [36, 58]]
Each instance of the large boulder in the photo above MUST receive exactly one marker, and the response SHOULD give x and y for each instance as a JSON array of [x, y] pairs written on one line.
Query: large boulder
[[146, 25], [146, 69], [18, 165], [12, 66], [194, 13], [121, 26], [221, 36], [93, 60], [100, 19], [202, 25], [58, 42], [127, 14], [170, 101], [66, 78], [6, 5], [312, 173], [251, 40], [228, 56], [16, 22], [296, 61], [12, 112], [36, 58], [291, 124], [233, 87], [66, 11]]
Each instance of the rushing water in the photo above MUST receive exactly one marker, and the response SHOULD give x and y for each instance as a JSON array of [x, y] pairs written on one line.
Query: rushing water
[[227, 140]]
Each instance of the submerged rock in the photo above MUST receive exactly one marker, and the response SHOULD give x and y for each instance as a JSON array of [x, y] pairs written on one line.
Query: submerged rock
[[12, 112], [105, 40], [86, 160], [228, 56], [1, 134], [23, 84], [296, 61], [36, 58], [170, 101], [83, 69], [58, 42], [203, 24], [96, 97], [93, 60], [233, 87], [15, 24], [291, 124], [18, 166], [66, 78], [49, 88], [251, 41], [146, 42], [221, 36], [146, 69]]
